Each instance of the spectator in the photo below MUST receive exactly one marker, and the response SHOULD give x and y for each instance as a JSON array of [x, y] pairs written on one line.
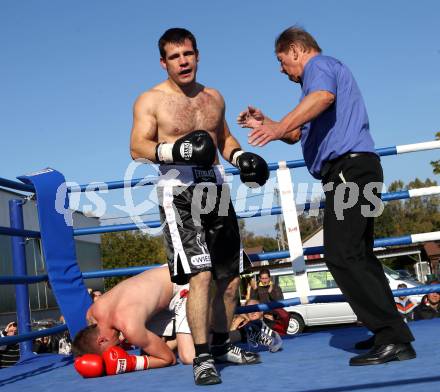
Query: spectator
[[9, 354], [44, 345], [49, 343], [253, 315], [429, 307], [404, 305], [276, 319], [251, 285], [266, 290], [64, 340], [256, 329], [65, 344], [95, 295]]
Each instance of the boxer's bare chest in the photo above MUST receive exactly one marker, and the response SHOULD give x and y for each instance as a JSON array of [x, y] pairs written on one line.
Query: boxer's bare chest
[[179, 115]]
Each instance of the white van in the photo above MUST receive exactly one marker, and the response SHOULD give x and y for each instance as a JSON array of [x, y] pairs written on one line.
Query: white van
[[320, 282]]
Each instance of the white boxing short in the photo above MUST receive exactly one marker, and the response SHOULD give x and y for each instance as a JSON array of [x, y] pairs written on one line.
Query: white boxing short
[[172, 320], [179, 307]]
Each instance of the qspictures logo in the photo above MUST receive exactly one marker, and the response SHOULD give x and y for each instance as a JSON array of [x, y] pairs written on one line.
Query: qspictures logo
[[69, 194]]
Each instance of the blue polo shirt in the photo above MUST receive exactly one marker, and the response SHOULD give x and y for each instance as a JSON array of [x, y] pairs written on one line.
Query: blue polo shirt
[[344, 126]]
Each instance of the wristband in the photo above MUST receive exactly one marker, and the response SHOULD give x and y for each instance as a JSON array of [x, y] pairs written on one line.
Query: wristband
[[164, 152], [235, 153], [142, 362]]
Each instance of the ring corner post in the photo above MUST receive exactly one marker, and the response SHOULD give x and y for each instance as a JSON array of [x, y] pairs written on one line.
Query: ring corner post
[[19, 268]]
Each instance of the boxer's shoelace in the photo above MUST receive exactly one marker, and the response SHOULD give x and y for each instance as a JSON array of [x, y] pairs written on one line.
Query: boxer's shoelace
[[204, 370], [202, 367]]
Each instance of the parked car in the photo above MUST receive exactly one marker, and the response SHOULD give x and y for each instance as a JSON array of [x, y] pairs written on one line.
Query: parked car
[[319, 281]]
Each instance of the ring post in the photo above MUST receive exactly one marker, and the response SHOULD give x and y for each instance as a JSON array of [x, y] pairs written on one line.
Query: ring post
[[19, 267]]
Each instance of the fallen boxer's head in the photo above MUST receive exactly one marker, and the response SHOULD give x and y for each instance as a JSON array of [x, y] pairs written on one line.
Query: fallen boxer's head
[[93, 340]]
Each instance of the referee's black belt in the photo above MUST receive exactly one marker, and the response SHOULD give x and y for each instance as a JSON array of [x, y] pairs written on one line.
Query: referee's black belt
[[329, 164]]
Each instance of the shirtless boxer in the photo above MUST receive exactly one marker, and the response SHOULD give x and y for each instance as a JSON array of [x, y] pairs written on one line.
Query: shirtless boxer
[[180, 124], [132, 311]]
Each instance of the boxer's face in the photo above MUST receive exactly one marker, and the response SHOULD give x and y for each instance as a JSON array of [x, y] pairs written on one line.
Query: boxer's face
[[108, 339], [180, 62]]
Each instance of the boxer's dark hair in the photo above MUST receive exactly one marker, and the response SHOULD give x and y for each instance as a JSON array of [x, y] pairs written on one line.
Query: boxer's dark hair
[[176, 35], [295, 35], [85, 341]]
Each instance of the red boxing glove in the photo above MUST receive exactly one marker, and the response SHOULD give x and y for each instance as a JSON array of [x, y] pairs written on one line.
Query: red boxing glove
[[118, 361], [89, 365]]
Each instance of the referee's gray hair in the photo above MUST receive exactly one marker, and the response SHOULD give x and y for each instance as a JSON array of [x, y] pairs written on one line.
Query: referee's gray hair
[[295, 35]]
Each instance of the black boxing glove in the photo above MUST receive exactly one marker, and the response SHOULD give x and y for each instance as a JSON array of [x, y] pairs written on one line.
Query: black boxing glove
[[253, 168], [196, 148]]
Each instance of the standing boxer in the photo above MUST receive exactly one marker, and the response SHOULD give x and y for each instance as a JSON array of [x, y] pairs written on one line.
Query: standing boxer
[[180, 124], [332, 122]]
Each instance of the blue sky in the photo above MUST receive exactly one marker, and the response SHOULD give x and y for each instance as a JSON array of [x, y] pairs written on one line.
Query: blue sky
[[70, 72]]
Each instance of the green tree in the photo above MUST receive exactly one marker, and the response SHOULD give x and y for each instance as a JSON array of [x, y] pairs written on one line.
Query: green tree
[[415, 215], [310, 224], [130, 249], [389, 223], [269, 244], [244, 233], [436, 164], [250, 240]]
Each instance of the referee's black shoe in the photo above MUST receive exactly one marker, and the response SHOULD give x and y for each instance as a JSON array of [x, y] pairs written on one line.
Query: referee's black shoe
[[365, 344], [385, 353]]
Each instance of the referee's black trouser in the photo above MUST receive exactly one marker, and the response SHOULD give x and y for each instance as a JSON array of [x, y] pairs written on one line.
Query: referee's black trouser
[[348, 247]]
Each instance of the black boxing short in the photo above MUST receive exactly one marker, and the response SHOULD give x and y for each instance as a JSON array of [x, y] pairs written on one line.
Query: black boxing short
[[200, 226]]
